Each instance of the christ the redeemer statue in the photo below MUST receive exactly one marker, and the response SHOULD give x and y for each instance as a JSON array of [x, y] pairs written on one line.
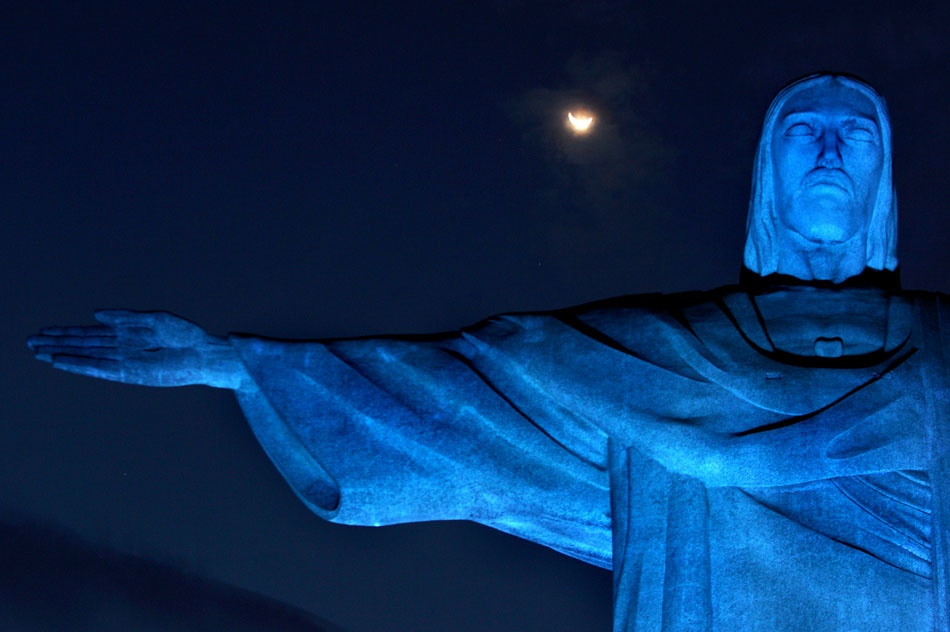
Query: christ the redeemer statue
[[766, 456]]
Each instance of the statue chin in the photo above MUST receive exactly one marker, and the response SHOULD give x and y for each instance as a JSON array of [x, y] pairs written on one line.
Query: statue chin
[[823, 221], [826, 233]]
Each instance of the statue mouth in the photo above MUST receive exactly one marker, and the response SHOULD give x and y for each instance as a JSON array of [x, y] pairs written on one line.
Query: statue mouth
[[823, 177]]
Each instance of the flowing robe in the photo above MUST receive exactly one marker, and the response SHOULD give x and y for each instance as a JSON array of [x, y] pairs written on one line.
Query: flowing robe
[[583, 430]]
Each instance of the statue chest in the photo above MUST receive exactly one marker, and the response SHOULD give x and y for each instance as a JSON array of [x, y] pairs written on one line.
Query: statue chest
[[790, 356]]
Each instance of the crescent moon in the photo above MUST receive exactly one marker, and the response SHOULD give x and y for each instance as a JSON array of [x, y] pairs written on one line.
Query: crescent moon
[[580, 123]]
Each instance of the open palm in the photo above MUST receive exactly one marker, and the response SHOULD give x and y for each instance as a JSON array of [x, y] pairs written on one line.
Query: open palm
[[147, 348]]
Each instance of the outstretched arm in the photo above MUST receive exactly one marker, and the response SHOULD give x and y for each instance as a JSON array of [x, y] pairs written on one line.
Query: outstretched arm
[[146, 348]]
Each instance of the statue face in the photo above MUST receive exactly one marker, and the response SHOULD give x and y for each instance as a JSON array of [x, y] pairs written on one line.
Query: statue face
[[827, 155]]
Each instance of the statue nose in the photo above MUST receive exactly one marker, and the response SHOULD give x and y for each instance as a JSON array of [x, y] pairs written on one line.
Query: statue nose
[[830, 156]]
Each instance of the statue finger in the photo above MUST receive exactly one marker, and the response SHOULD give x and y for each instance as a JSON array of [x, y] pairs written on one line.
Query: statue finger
[[42, 340], [118, 317], [49, 353], [102, 368], [81, 330]]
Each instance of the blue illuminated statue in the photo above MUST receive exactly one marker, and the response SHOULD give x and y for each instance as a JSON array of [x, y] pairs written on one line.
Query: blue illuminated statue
[[767, 456]]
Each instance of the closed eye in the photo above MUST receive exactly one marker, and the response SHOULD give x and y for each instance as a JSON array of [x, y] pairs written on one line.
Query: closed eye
[[860, 134], [800, 129]]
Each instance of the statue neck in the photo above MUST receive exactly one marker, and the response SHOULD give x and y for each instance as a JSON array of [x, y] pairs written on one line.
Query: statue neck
[[889, 280], [811, 261]]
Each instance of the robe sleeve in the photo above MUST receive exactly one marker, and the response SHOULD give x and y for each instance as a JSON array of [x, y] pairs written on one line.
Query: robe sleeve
[[387, 430]]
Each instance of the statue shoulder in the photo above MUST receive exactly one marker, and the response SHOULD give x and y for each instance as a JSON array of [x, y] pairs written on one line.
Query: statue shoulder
[[644, 319], [649, 304], [928, 300], [637, 320]]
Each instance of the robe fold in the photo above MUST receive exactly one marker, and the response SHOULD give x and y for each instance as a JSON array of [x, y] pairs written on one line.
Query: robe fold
[[731, 484]]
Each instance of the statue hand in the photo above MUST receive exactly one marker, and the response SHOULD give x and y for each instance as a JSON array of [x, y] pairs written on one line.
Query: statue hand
[[813, 449], [147, 348]]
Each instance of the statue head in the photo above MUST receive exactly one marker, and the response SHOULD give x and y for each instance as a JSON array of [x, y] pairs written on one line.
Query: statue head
[[823, 205]]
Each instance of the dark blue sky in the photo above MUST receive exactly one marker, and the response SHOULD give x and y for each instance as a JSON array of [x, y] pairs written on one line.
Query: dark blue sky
[[305, 169]]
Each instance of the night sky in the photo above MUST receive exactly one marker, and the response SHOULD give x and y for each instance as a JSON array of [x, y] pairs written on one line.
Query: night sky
[[316, 169]]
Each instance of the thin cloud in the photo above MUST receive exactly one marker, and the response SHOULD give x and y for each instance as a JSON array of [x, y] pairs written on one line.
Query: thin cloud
[[602, 185]]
